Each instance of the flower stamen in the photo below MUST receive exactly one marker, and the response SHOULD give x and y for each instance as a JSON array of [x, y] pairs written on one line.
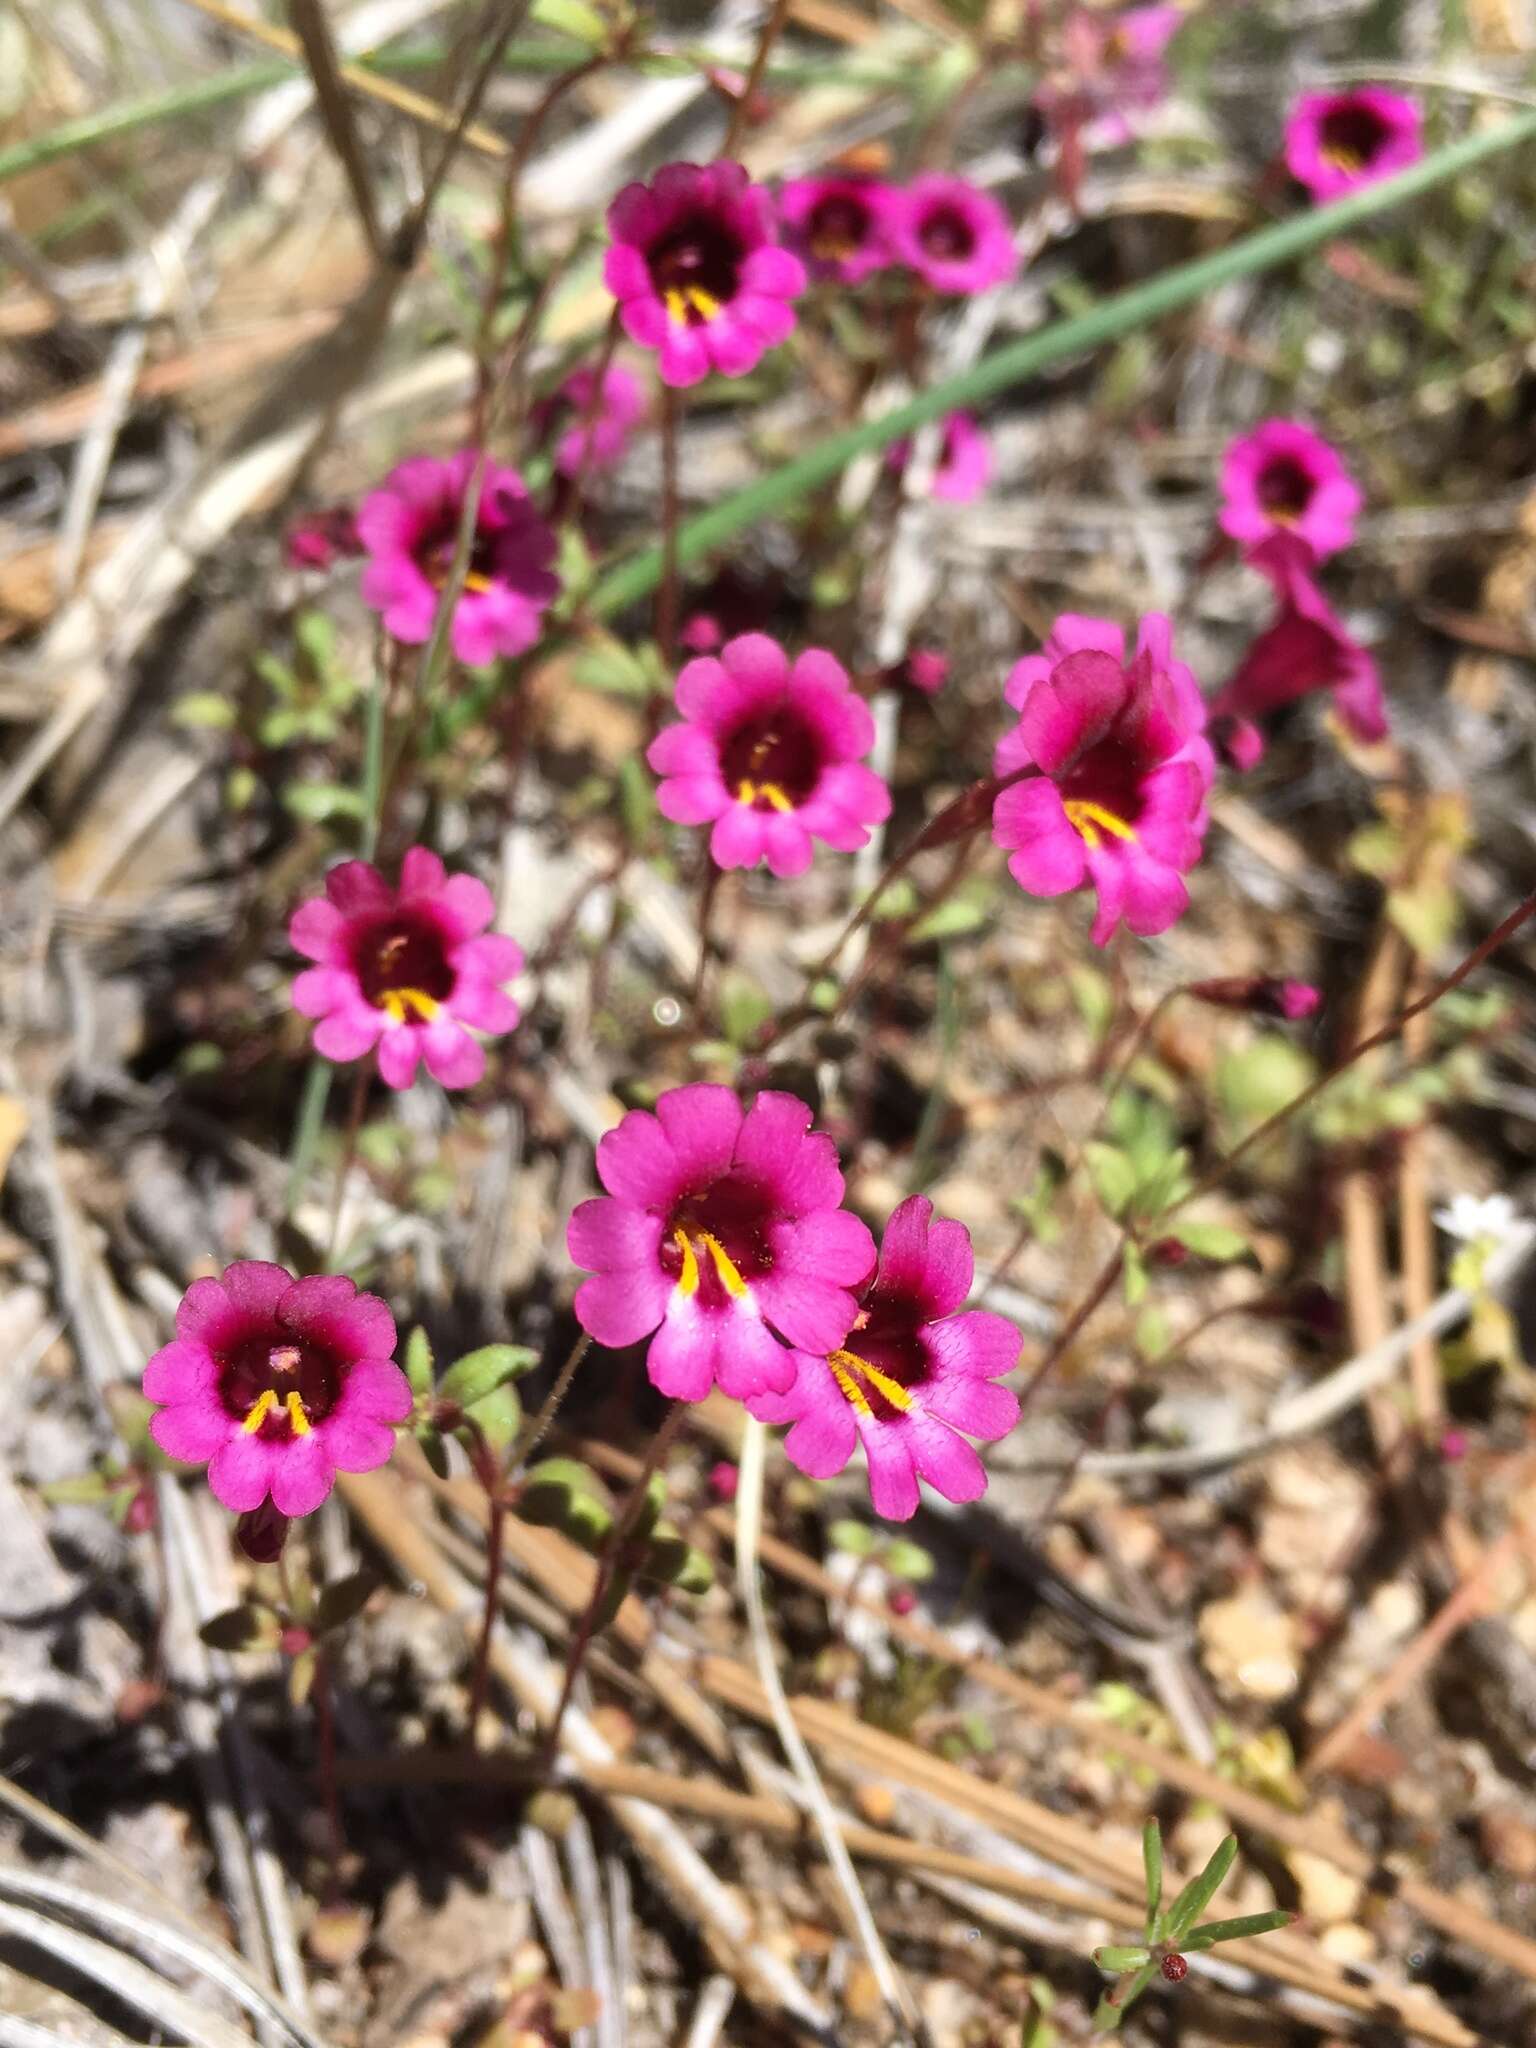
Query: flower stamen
[[748, 792], [689, 304], [688, 1279], [848, 1368], [261, 1408], [409, 1005], [1091, 821]]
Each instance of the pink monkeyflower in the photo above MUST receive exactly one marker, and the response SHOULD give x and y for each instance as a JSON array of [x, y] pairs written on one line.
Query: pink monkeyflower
[[839, 225], [927, 670], [724, 1481], [955, 236], [964, 467], [1338, 141], [1108, 66], [770, 755], [1284, 478], [321, 540], [410, 530], [1124, 769], [697, 272], [408, 970], [594, 425], [916, 1368], [277, 1384], [1307, 648], [722, 1231]]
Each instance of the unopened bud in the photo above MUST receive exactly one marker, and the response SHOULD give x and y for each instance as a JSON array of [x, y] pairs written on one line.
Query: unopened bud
[[1264, 995]]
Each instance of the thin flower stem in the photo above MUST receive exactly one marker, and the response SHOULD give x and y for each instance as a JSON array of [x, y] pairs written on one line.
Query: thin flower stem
[[861, 1922], [667, 593], [709, 889], [741, 112], [307, 1126], [1261, 1134], [355, 1108], [325, 1730], [612, 1559], [480, 1676], [538, 1426], [1070, 1331]]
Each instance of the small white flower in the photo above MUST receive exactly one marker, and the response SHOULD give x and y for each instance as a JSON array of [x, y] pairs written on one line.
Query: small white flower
[[1479, 1219]]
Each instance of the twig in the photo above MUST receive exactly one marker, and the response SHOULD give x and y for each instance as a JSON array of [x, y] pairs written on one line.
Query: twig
[[861, 1922], [325, 70]]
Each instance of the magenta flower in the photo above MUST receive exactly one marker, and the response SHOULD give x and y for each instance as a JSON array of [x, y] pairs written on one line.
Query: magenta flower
[[406, 970], [410, 530], [927, 670], [591, 437], [277, 1385], [1124, 768], [697, 273], [1111, 65], [723, 1232], [964, 467], [770, 755], [839, 225], [322, 539], [1337, 141], [1307, 648], [955, 237], [1284, 478], [916, 1369]]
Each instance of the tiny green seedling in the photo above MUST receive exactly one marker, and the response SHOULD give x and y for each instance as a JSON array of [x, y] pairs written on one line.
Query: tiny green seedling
[[1174, 1934]]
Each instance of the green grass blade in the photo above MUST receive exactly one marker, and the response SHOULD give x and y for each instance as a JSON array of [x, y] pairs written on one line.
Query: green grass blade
[[1199, 1892], [1018, 360], [148, 111], [1152, 1862]]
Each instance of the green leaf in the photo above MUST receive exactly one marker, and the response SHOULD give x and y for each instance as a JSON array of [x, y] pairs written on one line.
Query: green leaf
[[637, 799], [673, 1559], [1426, 914], [1199, 1892], [498, 1416], [955, 919], [1092, 997], [904, 1559], [344, 1598], [1113, 1174], [857, 1538], [1114, 2005], [1135, 1277], [314, 802], [1113, 1960], [562, 1494], [742, 1005], [316, 636], [573, 18], [1258, 1079], [1152, 1864], [433, 1449], [418, 1362], [1212, 1931], [242, 1628], [90, 1489], [1216, 1241], [204, 708], [478, 1373]]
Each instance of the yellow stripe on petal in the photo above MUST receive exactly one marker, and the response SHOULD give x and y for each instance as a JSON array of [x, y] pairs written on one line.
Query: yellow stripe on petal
[[296, 1415], [845, 1364], [1092, 821], [688, 1279], [259, 1412], [730, 1279], [684, 301], [409, 1005]]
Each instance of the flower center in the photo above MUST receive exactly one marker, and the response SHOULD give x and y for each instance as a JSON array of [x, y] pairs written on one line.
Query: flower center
[[403, 969], [866, 1388], [838, 227], [947, 235], [772, 762], [1350, 137], [435, 555], [1102, 794], [1285, 491], [279, 1391], [716, 1242], [695, 268]]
